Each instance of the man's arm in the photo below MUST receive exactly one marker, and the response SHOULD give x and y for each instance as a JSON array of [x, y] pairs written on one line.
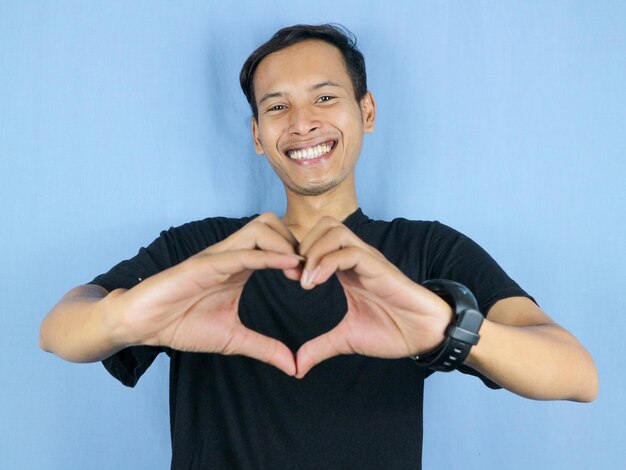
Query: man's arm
[[526, 352], [391, 316], [192, 306], [82, 327]]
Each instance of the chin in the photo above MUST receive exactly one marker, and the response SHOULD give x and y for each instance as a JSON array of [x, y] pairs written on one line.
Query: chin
[[314, 190]]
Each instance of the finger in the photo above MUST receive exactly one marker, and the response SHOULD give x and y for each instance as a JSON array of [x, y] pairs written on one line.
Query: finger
[[278, 226], [326, 266], [210, 269], [240, 260], [364, 263], [264, 237], [330, 344], [257, 234], [295, 274], [329, 237], [263, 348], [320, 229], [334, 239], [265, 232]]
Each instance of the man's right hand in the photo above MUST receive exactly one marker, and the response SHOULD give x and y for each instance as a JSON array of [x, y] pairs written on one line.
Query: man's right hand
[[192, 306]]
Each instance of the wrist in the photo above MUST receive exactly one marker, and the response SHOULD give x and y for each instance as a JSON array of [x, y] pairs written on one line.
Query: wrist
[[476, 356], [113, 320], [461, 334]]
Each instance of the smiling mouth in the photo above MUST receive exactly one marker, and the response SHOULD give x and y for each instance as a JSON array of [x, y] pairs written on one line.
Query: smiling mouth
[[312, 152]]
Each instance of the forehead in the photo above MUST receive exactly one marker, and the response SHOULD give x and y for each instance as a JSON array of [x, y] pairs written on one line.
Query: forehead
[[304, 63]]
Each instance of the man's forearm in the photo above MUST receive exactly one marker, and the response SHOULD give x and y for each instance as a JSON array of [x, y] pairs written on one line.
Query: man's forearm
[[79, 329], [542, 362]]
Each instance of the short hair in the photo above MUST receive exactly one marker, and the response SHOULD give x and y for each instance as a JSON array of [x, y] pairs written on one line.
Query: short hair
[[335, 34]]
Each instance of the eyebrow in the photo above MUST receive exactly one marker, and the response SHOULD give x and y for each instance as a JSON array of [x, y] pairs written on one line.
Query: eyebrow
[[317, 86]]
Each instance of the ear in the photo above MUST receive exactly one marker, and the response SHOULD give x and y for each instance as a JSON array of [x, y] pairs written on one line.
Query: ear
[[255, 136], [368, 112]]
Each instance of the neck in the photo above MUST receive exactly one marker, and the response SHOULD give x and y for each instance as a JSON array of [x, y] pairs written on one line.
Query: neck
[[303, 212]]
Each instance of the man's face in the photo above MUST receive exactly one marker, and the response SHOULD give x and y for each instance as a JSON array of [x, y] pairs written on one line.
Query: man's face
[[310, 125]]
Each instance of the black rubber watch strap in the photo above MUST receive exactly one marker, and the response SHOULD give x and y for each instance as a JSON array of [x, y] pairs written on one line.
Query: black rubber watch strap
[[462, 334]]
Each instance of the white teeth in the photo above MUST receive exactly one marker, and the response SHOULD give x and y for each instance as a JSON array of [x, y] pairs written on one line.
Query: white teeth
[[307, 154]]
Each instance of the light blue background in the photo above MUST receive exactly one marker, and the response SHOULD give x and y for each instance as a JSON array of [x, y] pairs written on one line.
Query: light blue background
[[505, 120]]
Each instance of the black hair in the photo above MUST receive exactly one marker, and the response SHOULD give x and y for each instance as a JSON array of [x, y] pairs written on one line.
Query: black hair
[[337, 35]]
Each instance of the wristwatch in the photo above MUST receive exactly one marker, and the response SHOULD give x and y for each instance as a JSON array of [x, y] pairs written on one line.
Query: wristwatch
[[462, 333]]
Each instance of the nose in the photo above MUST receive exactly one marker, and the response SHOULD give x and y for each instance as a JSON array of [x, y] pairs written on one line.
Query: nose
[[303, 120]]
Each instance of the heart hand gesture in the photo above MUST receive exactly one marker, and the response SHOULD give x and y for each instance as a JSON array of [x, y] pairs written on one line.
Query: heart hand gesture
[[389, 316], [193, 306]]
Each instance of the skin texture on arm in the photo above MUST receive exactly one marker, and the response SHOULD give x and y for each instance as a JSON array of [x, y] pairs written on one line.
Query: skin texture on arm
[[79, 329], [526, 352]]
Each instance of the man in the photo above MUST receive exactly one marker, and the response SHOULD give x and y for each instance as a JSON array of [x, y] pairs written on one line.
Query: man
[[304, 341]]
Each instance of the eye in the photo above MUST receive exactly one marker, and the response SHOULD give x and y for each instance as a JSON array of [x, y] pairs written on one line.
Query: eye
[[277, 107], [325, 99]]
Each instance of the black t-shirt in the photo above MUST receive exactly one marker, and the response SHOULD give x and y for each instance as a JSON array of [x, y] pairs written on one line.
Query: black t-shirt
[[349, 411]]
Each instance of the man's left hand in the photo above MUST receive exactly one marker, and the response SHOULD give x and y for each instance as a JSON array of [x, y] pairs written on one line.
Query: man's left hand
[[388, 316]]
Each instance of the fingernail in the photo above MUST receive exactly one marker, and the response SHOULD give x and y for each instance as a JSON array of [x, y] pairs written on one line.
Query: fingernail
[[313, 275], [305, 277]]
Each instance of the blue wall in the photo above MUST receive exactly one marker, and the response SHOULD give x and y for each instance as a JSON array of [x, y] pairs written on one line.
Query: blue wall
[[505, 120]]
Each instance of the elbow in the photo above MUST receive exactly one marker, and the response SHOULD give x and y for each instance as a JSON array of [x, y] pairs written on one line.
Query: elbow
[[44, 337], [593, 387], [590, 383]]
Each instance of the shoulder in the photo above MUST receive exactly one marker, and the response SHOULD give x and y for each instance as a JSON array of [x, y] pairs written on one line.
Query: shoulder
[[401, 230], [188, 239], [216, 228], [402, 241]]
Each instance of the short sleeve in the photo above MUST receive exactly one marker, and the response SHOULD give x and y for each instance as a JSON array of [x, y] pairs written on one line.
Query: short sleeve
[[456, 257], [170, 248], [130, 364]]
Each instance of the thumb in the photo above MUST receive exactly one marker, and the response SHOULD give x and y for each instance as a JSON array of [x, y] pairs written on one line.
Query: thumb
[[266, 349], [311, 353]]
